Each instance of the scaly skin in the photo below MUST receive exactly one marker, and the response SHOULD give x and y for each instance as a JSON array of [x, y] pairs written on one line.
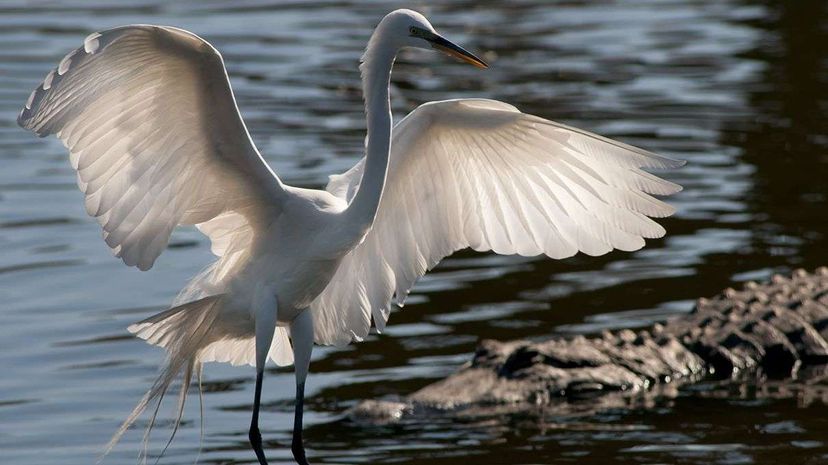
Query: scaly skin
[[775, 333]]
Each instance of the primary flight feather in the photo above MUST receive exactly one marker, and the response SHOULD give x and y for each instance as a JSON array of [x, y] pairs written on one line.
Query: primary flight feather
[[154, 133]]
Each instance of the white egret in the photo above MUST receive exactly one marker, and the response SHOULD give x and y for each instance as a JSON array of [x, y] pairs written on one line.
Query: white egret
[[157, 140]]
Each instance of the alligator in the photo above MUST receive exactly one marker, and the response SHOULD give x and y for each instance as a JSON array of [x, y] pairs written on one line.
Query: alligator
[[771, 334]]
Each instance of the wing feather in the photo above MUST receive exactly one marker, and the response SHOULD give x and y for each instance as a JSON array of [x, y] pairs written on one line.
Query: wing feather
[[481, 174], [155, 136]]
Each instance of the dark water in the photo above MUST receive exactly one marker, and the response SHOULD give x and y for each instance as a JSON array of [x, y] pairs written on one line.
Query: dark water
[[736, 87]]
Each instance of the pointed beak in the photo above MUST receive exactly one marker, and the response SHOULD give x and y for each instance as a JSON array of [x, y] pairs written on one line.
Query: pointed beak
[[449, 48]]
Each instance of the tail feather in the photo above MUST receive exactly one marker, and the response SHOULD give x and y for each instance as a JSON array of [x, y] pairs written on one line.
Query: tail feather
[[182, 398], [193, 333], [199, 370], [183, 331]]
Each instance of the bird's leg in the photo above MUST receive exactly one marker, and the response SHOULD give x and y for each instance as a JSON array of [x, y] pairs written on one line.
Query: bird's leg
[[265, 326], [254, 434], [301, 334], [297, 446]]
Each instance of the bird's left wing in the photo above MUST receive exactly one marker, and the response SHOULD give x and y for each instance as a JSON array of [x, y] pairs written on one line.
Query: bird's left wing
[[154, 133], [481, 174]]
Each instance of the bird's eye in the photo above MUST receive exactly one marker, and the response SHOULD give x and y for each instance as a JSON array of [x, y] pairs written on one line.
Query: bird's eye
[[412, 30]]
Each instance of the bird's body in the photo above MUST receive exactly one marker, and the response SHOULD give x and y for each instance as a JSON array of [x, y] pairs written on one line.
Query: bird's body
[[296, 254], [153, 130]]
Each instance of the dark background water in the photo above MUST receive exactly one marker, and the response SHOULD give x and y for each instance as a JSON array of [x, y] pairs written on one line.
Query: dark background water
[[736, 87]]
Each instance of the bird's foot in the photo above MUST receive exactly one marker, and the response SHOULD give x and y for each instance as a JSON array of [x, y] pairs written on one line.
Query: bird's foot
[[256, 441], [298, 450]]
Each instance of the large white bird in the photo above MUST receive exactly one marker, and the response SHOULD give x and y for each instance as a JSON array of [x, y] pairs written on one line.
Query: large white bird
[[157, 140]]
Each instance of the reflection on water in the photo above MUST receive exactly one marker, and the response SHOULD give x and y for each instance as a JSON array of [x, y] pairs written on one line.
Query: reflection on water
[[736, 87]]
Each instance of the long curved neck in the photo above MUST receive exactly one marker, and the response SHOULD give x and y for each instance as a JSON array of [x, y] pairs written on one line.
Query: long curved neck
[[376, 75]]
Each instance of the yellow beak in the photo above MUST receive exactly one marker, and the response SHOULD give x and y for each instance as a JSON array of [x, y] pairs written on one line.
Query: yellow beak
[[451, 49]]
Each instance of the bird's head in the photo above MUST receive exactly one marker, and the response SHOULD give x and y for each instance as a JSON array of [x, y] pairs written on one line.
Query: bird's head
[[412, 29]]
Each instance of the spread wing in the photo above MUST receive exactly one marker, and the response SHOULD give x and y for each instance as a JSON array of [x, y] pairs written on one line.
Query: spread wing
[[481, 174], [154, 133]]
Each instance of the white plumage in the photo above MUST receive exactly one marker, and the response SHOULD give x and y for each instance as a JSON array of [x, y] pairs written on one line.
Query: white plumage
[[154, 133], [479, 173]]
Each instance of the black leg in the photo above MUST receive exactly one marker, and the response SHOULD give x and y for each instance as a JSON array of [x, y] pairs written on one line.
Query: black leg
[[301, 335], [297, 446], [254, 435]]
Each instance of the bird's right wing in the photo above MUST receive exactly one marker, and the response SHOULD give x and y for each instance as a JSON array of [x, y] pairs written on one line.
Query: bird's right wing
[[481, 174], [154, 133]]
